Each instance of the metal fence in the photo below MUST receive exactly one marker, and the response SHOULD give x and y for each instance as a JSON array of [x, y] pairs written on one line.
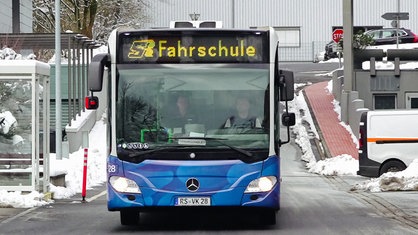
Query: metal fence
[[303, 53]]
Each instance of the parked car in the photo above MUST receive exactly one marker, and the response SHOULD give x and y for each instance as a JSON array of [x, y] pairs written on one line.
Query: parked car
[[380, 36], [329, 51], [388, 36]]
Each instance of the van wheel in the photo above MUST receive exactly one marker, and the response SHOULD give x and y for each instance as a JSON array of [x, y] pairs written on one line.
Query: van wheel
[[392, 166], [129, 217]]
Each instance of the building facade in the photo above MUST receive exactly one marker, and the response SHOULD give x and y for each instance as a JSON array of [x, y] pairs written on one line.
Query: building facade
[[16, 16], [303, 26]]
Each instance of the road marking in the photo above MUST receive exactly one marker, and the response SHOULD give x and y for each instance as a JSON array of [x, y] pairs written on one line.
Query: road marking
[[34, 208], [18, 215], [96, 196]]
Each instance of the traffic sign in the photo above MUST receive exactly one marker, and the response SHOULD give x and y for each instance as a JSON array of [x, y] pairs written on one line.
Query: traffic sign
[[396, 16], [337, 35]]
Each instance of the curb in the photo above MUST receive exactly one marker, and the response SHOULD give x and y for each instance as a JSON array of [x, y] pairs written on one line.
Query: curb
[[321, 146]]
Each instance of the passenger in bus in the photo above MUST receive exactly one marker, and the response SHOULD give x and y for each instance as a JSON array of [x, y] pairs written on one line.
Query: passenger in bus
[[243, 117]]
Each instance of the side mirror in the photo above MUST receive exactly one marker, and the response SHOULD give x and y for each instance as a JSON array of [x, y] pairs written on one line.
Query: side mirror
[[288, 119], [95, 73], [286, 85]]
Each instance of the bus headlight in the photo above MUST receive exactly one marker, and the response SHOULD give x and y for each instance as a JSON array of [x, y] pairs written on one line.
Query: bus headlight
[[124, 185], [263, 184]]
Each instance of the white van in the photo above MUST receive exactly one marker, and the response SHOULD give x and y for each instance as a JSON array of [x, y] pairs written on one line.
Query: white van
[[388, 141]]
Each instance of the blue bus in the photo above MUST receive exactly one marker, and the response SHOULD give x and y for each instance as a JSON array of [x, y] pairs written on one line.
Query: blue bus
[[178, 137]]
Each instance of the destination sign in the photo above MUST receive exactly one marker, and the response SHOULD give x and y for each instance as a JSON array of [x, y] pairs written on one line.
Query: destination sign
[[194, 47]]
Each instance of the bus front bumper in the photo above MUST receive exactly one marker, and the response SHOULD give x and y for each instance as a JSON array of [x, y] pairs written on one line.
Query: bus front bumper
[[151, 199]]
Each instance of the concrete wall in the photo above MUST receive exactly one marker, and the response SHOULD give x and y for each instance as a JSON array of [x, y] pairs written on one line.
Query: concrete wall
[[391, 80], [368, 83], [82, 123], [387, 83]]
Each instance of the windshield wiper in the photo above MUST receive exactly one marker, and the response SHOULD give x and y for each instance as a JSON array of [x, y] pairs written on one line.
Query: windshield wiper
[[219, 140], [138, 154]]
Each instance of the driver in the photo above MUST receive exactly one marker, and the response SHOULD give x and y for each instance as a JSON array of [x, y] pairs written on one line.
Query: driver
[[242, 117]]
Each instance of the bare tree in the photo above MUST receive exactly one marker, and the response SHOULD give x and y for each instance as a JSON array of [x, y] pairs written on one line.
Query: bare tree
[[93, 18], [113, 14], [43, 16]]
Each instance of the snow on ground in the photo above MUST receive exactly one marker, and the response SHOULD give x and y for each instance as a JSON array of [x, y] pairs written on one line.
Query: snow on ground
[[303, 118], [96, 160], [339, 165], [345, 164], [73, 167], [304, 131], [406, 180]]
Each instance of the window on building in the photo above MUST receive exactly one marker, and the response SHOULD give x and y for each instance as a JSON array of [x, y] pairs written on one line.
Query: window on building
[[411, 100], [288, 36], [384, 101], [414, 103]]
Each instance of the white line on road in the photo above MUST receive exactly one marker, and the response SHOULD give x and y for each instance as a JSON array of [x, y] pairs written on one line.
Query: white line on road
[[96, 196], [18, 215], [34, 208]]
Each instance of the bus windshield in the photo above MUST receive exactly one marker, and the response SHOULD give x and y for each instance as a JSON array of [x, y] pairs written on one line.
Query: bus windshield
[[189, 105]]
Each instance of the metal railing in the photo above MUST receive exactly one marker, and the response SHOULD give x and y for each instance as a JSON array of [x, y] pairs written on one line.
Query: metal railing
[[78, 60]]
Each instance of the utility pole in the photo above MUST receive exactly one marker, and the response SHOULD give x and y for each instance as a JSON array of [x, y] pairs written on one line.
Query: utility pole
[[58, 132], [397, 24], [233, 13], [348, 44]]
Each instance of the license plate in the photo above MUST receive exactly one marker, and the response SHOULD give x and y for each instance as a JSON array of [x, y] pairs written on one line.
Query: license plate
[[193, 201]]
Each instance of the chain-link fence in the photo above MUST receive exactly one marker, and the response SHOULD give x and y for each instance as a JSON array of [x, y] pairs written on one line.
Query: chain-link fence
[[305, 52]]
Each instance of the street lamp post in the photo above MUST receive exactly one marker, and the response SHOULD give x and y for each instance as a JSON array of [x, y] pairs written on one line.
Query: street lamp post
[[58, 132]]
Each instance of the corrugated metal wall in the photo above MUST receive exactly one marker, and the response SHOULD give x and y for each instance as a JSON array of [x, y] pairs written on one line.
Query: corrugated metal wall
[[314, 17], [6, 17], [25, 16]]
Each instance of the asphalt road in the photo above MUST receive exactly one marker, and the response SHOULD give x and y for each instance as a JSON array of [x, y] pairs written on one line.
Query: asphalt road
[[311, 204], [305, 72]]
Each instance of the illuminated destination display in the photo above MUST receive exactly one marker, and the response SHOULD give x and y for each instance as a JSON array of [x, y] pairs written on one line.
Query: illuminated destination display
[[194, 47]]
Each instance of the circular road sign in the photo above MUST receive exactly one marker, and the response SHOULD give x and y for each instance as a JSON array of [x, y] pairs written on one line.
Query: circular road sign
[[337, 35]]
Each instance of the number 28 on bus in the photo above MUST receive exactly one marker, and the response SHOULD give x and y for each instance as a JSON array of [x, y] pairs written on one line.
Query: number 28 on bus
[[193, 119]]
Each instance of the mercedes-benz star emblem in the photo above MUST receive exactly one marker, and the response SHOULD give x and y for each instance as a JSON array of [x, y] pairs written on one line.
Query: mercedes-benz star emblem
[[192, 184]]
